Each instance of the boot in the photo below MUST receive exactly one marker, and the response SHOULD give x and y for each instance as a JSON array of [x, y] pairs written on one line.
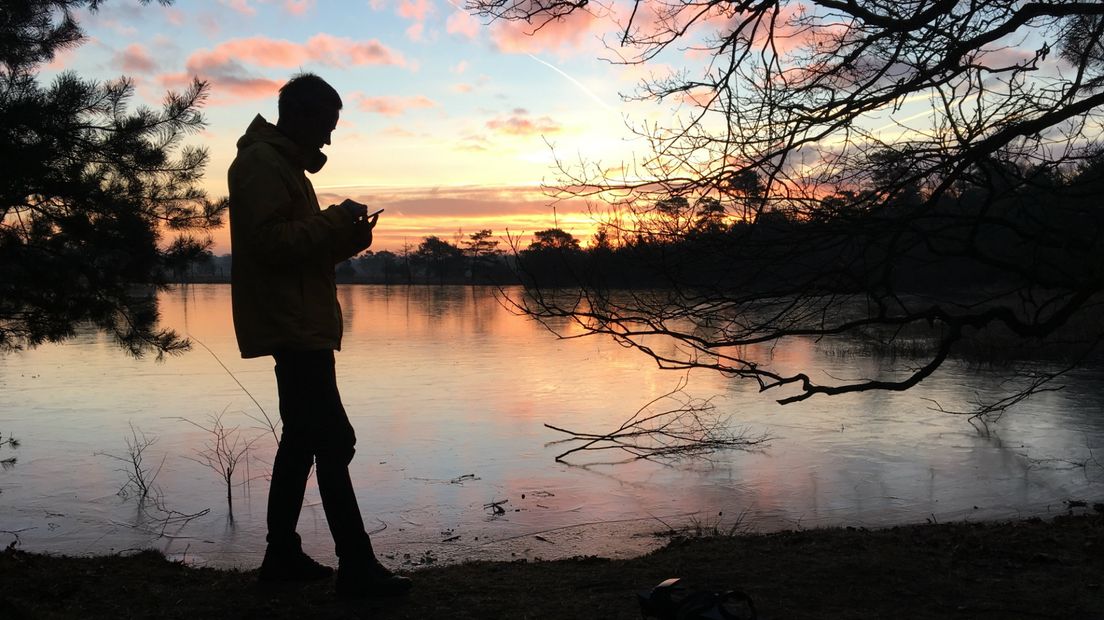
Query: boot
[[285, 561], [365, 576]]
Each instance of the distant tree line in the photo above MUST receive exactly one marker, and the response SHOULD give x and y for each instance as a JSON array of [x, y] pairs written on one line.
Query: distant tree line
[[477, 258], [1024, 226], [684, 242]]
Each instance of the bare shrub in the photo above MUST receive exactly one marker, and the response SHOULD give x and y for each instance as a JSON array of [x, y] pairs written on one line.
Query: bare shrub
[[140, 476], [223, 452]]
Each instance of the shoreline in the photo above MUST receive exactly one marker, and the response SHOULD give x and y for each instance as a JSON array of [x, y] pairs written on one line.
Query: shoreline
[[1004, 569]]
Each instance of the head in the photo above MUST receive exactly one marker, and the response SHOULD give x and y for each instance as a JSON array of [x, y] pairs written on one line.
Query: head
[[309, 109]]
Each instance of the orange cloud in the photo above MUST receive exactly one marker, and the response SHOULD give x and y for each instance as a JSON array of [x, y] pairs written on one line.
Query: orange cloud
[[519, 123], [392, 106], [413, 213]]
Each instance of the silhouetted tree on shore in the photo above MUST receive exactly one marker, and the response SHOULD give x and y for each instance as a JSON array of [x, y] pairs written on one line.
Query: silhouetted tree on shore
[[482, 252], [809, 216], [440, 258], [89, 189]]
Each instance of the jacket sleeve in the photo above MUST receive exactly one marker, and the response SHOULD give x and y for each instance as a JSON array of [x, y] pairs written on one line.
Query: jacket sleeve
[[260, 191]]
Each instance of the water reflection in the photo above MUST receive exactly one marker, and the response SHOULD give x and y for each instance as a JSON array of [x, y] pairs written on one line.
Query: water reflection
[[442, 382]]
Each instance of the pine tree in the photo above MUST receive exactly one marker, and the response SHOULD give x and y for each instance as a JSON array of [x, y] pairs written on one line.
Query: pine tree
[[91, 187]]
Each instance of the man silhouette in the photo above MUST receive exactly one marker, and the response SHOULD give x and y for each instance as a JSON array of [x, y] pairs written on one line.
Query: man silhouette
[[285, 305]]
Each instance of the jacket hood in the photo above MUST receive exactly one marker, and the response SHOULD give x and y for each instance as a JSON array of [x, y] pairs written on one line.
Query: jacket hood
[[262, 131]]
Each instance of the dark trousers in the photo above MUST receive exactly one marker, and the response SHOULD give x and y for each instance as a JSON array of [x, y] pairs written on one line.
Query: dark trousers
[[316, 431]]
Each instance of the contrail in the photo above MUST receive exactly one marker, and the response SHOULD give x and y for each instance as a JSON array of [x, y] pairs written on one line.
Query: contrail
[[553, 67], [575, 82]]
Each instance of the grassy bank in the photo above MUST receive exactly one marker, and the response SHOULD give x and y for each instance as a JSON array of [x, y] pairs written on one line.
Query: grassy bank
[[1027, 569]]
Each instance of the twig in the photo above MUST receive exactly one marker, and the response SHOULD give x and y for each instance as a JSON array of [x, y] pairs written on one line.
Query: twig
[[691, 429], [269, 424], [15, 533]]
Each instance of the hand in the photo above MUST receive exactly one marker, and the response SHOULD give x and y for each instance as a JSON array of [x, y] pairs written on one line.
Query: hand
[[362, 231], [370, 222], [355, 210]]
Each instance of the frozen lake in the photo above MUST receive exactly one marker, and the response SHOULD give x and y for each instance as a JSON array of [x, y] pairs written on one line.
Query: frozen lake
[[449, 392]]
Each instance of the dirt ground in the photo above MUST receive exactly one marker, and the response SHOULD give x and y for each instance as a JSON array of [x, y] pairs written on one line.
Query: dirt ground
[[1024, 569]]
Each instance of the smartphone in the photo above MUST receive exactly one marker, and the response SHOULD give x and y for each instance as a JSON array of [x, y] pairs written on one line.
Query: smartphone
[[370, 216]]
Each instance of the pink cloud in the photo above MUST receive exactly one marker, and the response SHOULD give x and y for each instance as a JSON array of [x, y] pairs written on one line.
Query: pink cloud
[[644, 72], [322, 48], [118, 26], [460, 67], [298, 7], [63, 58], [414, 32], [135, 59], [210, 25], [393, 106], [227, 65], [566, 34], [699, 98], [174, 16], [462, 88], [397, 132], [240, 6], [784, 30], [519, 123], [228, 87], [462, 23], [1006, 56], [416, 10], [473, 143]]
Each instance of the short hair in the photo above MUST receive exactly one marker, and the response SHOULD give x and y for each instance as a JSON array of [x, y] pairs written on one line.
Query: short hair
[[306, 93]]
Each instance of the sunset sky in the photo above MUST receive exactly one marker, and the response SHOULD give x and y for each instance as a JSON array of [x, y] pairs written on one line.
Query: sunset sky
[[450, 123], [447, 121]]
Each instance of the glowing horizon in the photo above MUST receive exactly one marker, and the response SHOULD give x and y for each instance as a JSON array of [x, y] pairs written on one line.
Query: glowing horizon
[[453, 213]]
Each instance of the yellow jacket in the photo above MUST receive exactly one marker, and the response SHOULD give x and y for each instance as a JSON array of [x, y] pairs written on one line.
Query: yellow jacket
[[284, 249]]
